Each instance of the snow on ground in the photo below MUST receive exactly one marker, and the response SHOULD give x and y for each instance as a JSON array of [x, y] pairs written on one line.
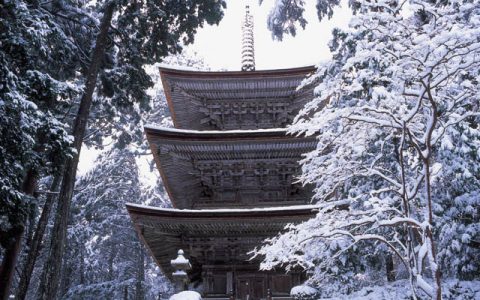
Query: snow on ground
[[186, 295], [400, 290], [302, 291]]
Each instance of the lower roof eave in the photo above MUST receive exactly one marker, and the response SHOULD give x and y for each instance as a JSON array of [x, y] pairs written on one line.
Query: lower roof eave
[[165, 230], [306, 210]]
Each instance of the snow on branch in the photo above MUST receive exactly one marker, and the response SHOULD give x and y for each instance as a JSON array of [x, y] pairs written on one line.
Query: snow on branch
[[396, 120]]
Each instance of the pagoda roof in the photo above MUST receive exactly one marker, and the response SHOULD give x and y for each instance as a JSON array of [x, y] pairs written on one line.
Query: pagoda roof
[[188, 160], [164, 230], [191, 72], [204, 100]]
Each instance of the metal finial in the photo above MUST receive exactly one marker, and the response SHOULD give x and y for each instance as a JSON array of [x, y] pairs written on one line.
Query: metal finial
[[248, 51]]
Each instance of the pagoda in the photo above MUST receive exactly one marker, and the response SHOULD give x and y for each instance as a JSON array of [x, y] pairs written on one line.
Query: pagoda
[[230, 170]]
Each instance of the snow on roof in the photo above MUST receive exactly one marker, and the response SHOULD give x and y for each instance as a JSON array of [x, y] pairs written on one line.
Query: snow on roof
[[219, 132], [176, 67], [235, 210]]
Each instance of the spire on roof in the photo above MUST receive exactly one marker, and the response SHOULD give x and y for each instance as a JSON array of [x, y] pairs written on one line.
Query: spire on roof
[[248, 51]]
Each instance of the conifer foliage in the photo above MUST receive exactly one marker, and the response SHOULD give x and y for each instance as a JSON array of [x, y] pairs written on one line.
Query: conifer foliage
[[102, 242], [65, 65], [36, 62]]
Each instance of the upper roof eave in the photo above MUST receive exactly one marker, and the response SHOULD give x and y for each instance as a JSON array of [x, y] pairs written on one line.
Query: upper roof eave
[[170, 77], [236, 74]]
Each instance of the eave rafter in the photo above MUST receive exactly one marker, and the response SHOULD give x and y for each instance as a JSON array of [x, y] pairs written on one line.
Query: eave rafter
[[164, 231], [252, 89], [235, 100], [230, 168]]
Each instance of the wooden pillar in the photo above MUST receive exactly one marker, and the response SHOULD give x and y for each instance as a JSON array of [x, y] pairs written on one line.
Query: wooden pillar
[[229, 282], [269, 294]]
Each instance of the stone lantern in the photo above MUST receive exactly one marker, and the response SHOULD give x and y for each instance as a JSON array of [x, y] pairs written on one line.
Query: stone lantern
[[181, 266]]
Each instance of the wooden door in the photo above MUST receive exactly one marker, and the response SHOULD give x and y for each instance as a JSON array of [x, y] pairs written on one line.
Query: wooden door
[[257, 288], [251, 288], [243, 289]]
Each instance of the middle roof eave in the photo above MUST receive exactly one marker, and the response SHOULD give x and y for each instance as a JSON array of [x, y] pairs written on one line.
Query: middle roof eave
[[195, 135], [180, 156]]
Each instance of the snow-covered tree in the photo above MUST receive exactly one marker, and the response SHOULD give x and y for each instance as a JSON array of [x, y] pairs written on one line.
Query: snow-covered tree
[[131, 35], [47, 55], [396, 116], [287, 15], [37, 83], [103, 244]]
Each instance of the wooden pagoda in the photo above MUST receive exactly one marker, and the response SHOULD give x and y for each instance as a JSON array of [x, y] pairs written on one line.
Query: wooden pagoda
[[229, 168]]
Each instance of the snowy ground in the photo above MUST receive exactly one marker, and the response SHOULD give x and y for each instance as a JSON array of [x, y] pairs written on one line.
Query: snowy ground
[[399, 290], [186, 295]]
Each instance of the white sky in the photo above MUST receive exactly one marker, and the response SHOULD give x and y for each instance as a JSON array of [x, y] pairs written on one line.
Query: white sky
[[220, 46]]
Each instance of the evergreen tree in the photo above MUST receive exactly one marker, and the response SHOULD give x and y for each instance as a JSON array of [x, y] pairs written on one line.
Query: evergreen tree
[[37, 71], [142, 33], [287, 15], [47, 54], [76, 281], [102, 241]]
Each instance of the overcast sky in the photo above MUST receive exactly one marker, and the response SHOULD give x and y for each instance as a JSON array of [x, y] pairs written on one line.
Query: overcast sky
[[220, 46]]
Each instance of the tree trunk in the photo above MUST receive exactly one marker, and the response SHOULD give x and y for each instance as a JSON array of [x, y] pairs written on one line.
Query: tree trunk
[[82, 266], [139, 295], [31, 225], [12, 247], [111, 258], [65, 278], [34, 250], [429, 235], [12, 240], [428, 193], [50, 280], [390, 268]]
